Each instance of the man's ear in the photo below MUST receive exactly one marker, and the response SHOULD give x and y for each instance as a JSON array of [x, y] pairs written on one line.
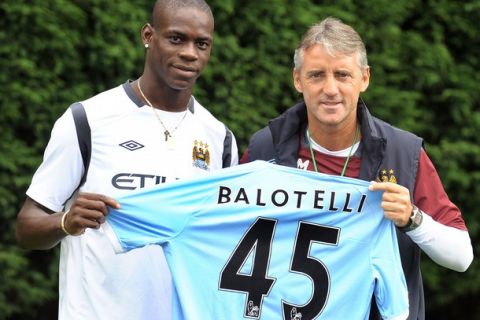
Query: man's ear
[[365, 79], [147, 33], [296, 80]]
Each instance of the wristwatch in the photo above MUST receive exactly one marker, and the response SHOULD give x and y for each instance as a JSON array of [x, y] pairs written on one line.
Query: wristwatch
[[416, 219]]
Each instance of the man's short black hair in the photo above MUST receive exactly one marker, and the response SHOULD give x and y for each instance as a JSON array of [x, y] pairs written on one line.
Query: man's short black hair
[[161, 5]]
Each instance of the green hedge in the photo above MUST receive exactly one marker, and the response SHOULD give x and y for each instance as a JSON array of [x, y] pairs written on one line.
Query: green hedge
[[424, 57]]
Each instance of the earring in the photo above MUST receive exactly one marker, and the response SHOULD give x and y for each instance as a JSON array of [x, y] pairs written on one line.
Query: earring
[[146, 45]]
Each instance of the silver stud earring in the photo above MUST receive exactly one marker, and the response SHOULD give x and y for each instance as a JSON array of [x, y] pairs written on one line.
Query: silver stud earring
[[146, 45]]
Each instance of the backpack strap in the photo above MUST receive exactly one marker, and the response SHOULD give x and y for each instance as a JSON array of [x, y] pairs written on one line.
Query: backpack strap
[[227, 149], [84, 137]]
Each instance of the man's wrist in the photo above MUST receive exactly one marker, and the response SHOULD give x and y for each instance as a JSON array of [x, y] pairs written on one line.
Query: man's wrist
[[63, 226], [415, 220]]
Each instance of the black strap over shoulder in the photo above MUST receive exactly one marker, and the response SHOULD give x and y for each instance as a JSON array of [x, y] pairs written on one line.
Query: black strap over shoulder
[[83, 135], [227, 149]]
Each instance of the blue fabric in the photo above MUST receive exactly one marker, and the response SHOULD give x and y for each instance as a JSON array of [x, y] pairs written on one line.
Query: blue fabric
[[262, 241]]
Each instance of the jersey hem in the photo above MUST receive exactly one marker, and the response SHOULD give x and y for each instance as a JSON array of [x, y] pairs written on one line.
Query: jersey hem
[[402, 316]]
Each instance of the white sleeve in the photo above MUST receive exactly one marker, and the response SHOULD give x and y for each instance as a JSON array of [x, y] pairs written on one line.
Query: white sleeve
[[447, 246], [59, 174]]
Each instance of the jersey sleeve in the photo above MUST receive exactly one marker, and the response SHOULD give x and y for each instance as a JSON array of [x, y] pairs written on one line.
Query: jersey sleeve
[[156, 215], [60, 172], [391, 291]]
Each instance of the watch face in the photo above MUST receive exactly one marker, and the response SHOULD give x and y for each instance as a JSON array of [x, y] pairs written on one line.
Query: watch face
[[416, 218]]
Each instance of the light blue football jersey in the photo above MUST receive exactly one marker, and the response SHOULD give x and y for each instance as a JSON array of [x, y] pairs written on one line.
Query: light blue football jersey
[[263, 241]]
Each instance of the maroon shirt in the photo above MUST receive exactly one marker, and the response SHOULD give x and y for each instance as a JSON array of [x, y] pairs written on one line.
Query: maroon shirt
[[429, 194]]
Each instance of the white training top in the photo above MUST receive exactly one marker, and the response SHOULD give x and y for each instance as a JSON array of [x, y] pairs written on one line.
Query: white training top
[[129, 152]]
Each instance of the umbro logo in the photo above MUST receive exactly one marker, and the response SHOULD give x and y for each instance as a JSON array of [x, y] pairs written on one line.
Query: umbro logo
[[131, 145]]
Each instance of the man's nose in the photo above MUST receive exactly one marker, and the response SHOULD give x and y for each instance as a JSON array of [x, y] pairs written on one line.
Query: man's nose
[[330, 86], [189, 51]]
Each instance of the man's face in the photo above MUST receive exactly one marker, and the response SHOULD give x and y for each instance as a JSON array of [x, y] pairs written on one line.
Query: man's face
[[330, 86], [179, 46]]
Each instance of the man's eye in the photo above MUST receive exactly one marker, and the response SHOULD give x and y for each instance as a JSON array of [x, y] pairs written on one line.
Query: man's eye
[[202, 44], [175, 39], [315, 75], [342, 75]]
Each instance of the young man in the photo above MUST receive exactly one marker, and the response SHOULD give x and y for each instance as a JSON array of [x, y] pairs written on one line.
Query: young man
[[143, 133], [332, 132]]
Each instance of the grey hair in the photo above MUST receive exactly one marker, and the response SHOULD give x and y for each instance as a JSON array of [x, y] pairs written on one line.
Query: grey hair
[[178, 4], [336, 37]]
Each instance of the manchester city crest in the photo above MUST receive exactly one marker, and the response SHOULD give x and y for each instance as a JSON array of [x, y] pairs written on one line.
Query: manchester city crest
[[387, 175], [201, 155]]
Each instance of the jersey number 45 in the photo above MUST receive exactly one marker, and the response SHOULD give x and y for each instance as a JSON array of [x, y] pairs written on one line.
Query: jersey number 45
[[257, 285]]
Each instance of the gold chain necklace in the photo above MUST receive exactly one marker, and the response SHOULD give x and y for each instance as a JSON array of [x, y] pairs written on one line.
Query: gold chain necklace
[[168, 134]]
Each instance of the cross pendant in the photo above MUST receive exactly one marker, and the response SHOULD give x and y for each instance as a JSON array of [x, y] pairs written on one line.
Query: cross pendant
[[167, 134]]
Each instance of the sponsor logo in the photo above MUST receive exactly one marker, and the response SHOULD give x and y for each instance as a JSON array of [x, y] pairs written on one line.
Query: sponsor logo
[[131, 145], [132, 181]]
